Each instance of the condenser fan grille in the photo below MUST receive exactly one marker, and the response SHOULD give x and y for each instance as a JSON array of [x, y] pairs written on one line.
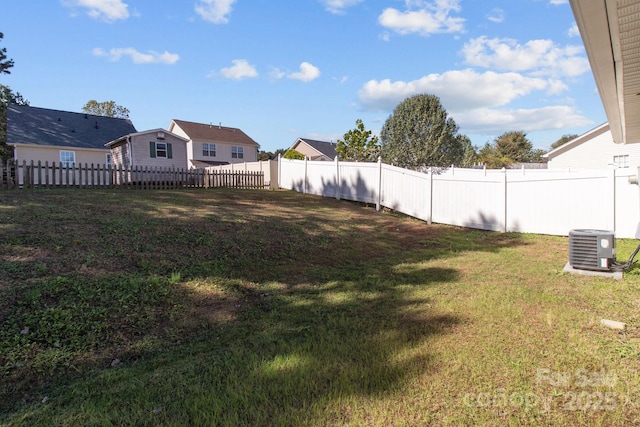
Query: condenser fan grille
[[591, 249]]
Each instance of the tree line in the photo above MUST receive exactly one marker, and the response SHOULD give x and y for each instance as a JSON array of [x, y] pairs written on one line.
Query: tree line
[[420, 134]]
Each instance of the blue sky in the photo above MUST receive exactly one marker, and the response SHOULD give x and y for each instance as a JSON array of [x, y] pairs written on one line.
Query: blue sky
[[280, 69]]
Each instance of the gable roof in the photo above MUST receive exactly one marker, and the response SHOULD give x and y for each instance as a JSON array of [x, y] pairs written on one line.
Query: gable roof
[[322, 147], [42, 126], [204, 132], [146, 132], [577, 141]]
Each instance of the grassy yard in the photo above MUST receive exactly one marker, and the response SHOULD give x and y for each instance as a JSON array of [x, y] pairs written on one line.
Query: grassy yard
[[258, 308]]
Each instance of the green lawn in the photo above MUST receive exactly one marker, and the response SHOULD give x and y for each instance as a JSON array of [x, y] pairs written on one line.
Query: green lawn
[[261, 308]]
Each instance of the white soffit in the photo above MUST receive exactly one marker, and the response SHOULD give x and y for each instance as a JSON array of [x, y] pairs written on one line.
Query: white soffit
[[610, 32]]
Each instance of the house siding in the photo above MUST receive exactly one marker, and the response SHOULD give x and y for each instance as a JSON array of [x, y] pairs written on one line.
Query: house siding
[[120, 155], [595, 153], [141, 157], [50, 154], [223, 148], [310, 152], [223, 152]]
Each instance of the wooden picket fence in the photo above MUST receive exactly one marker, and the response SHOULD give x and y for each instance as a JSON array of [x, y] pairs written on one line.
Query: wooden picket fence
[[15, 175]]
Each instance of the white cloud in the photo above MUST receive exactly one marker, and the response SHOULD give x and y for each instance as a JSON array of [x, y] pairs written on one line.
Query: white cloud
[[307, 73], [105, 10], [338, 6], [540, 57], [429, 18], [558, 2], [277, 73], [495, 121], [497, 15], [138, 57], [240, 69], [574, 31], [458, 90], [478, 102], [215, 11]]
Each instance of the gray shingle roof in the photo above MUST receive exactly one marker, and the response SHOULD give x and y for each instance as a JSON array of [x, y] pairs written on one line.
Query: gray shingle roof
[[42, 126], [326, 148]]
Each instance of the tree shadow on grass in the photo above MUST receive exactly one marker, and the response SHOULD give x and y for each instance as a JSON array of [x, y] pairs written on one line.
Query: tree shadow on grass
[[324, 300]]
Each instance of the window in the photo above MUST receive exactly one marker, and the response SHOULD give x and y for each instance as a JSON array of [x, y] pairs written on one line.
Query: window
[[237, 153], [209, 150], [108, 159], [160, 149], [67, 158], [621, 161]]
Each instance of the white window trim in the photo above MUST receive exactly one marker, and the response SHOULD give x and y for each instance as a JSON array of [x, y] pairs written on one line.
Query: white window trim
[[159, 150], [210, 148], [237, 152], [66, 163]]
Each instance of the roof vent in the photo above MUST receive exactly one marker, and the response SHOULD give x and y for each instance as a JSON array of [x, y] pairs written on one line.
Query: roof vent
[[96, 124], [85, 116], [160, 135]]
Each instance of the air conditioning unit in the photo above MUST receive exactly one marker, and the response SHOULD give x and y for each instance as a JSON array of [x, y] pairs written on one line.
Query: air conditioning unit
[[592, 249]]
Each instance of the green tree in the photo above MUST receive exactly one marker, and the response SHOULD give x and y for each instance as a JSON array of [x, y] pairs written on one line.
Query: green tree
[[268, 155], [265, 155], [536, 156], [294, 155], [7, 96], [508, 148], [492, 158], [5, 64], [563, 140], [106, 108], [514, 146], [358, 145], [469, 155], [420, 134]]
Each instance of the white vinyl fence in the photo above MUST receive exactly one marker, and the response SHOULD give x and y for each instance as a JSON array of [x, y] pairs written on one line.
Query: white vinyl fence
[[525, 200]]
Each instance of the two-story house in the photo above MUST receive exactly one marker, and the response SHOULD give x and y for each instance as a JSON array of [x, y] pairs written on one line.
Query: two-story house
[[214, 145]]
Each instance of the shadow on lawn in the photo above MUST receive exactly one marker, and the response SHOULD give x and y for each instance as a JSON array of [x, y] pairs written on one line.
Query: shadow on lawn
[[326, 298]]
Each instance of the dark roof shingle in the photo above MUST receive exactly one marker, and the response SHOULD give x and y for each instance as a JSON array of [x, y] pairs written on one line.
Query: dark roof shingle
[[324, 147], [42, 126]]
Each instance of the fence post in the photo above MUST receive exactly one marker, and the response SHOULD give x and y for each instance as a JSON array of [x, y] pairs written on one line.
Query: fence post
[[430, 210], [504, 180], [378, 201], [279, 171], [304, 184], [613, 198], [337, 178]]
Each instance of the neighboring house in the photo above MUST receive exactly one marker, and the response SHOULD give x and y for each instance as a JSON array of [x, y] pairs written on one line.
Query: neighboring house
[[152, 148], [40, 134], [594, 149], [315, 150], [215, 145]]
